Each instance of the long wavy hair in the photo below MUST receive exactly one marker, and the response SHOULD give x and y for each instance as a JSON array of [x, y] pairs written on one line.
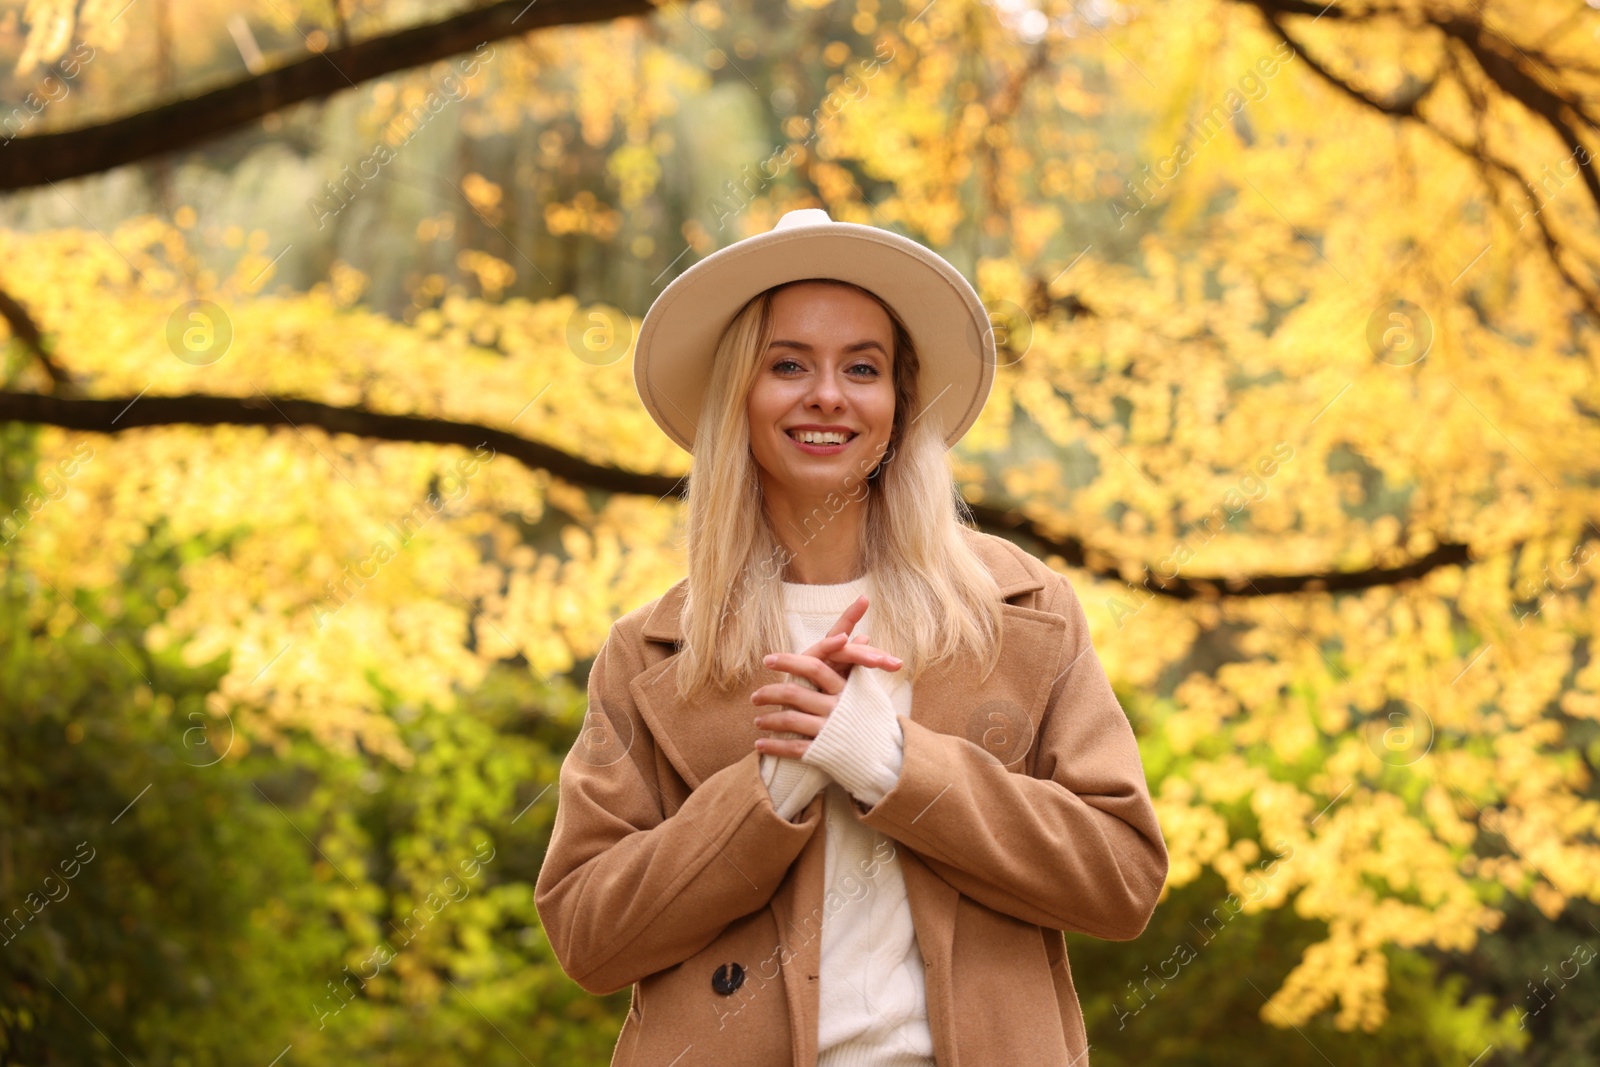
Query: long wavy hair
[[935, 598]]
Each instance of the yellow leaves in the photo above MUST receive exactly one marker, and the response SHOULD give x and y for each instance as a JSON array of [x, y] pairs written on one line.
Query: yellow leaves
[[1029, 480], [1229, 779], [494, 276], [1444, 819], [1158, 372], [484, 196], [440, 227], [1356, 859], [1033, 226], [345, 284], [835, 53], [636, 169], [336, 564], [1339, 967], [50, 27], [834, 184], [1581, 704], [1548, 900], [608, 78], [583, 214], [1258, 883], [1000, 279], [570, 499], [1195, 834], [1365, 838], [1203, 707], [1549, 839], [707, 13], [557, 609]]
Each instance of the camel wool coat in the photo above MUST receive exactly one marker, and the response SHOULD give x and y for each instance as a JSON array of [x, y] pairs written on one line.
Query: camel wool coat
[[1021, 811]]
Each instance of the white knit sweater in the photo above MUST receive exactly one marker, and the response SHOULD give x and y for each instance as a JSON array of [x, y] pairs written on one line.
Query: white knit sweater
[[873, 1009]]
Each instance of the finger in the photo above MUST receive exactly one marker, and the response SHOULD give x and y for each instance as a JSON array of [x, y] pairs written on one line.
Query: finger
[[851, 616], [820, 653], [810, 668], [788, 719], [860, 639], [802, 698], [826, 646], [867, 656], [826, 655], [842, 665], [784, 749]]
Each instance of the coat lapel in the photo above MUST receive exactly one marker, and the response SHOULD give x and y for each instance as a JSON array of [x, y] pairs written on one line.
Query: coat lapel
[[1000, 714]]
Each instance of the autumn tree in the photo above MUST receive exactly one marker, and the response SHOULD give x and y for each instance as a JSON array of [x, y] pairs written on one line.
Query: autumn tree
[[1296, 311]]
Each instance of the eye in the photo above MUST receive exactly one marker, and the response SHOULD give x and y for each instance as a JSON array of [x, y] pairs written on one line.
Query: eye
[[860, 367]]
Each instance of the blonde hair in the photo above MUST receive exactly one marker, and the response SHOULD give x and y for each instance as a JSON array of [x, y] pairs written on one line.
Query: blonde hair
[[934, 599]]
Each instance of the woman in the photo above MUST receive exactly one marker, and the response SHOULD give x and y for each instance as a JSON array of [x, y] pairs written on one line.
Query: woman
[[870, 863]]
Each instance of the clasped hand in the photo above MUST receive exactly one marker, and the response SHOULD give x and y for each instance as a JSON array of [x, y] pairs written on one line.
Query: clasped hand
[[826, 665]]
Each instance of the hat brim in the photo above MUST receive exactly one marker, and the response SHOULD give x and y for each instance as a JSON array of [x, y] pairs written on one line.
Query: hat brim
[[947, 322]]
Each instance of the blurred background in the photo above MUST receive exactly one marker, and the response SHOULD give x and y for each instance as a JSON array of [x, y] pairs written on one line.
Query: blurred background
[[323, 477]]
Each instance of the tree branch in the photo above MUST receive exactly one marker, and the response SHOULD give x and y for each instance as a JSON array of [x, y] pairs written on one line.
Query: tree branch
[[26, 331], [53, 157], [116, 415], [1400, 108], [1528, 91], [1501, 71], [111, 416]]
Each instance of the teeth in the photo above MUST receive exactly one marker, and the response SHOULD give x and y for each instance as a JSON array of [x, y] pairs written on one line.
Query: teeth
[[817, 437]]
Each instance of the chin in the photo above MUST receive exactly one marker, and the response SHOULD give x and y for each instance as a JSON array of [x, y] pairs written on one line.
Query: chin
[[817, 482]]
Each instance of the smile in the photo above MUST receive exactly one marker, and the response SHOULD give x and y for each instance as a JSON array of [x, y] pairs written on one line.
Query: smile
[[821, 442], [820, 437]]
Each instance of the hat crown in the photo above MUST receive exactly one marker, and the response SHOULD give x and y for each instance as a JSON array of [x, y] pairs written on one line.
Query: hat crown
[[805, 216]]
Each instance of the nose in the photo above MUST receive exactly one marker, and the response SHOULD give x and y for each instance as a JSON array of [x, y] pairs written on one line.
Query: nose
[[825, 394]]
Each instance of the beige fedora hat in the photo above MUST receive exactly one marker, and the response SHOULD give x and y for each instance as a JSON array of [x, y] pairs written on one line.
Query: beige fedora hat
[[941, 310]]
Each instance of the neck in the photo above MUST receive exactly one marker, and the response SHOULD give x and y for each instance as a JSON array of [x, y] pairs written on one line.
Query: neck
[[822, 540]]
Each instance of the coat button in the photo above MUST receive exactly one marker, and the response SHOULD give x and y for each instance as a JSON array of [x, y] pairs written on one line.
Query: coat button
[[727, 978]]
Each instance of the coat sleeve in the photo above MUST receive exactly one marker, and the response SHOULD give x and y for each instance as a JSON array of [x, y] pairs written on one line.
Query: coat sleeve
[[1074, 846], [628, 889]]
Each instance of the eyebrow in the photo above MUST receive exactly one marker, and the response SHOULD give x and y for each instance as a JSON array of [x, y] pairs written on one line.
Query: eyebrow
[[859, 346]]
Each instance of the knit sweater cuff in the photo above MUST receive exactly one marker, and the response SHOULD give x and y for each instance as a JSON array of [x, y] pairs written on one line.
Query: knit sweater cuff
[[790, 783], [861, 743]]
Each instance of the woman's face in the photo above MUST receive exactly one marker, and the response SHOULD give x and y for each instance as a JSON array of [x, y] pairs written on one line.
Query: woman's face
[[827, 375]]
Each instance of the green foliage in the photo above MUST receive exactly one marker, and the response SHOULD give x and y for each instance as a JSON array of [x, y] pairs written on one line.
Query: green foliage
[[199, 915], [228, 891], [1193, 991]]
